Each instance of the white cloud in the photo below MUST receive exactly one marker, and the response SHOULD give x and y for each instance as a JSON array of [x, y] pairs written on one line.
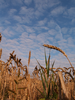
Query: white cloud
[[70, 13], [18, 18], [55, 30], [38, 13], [32, 36], [12, 11], [30, 12], [42, 22], [29, 29], [1, 29], [3, 4], [43, 4], [17, 2], [70, 41], [25, 10], [52, 32], [57, 11], [64, 30], [7, 22], [27, 1], [73, 21], [44, 27], [72, 31], [52, 24], [21, 19], [7, 32], [18, 28]]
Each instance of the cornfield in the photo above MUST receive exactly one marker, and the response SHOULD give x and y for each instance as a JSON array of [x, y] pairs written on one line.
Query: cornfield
[[17, 84]]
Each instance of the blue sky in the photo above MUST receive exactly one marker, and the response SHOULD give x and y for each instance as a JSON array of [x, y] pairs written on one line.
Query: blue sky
[[28, 24]]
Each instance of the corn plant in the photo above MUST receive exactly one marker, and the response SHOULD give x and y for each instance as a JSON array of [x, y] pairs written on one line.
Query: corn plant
[[47, 81]]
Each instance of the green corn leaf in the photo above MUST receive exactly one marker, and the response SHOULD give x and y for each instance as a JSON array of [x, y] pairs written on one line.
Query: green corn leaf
[[12, 91]]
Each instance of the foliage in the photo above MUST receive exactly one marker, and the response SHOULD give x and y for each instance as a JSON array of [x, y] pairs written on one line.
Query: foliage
[[48, 81]]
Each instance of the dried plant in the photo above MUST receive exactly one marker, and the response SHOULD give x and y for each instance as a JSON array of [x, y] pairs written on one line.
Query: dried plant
[[63, 84], [0, 37], [29, 59], [56, 48], [0, 53]]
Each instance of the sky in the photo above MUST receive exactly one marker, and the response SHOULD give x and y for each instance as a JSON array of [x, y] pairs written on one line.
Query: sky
[[26, 25]]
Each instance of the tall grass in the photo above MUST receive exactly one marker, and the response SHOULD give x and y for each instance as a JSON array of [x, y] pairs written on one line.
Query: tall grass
[[49, 93]]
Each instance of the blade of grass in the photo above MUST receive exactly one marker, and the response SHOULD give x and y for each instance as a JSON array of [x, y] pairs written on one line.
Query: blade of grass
[[48, 64], [45, 78], [45, 58], [43, 84], [40, 92]]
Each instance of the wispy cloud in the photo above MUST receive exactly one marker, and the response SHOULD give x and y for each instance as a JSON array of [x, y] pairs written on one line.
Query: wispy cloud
[[12, 11], [3, 4], [7, 22], [27, 1], [73, 21], [70, 12], [57, 11], [26, 25], [43, 4], [7, 32], [17, 2], [64, 30], [42, 22]]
